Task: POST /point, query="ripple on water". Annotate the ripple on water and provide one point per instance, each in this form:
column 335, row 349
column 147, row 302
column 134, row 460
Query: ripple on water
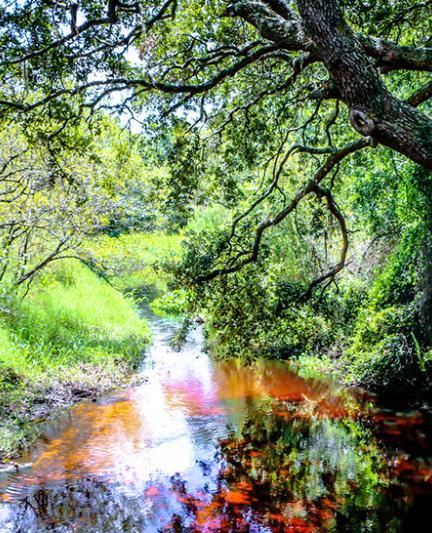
column 200, row 446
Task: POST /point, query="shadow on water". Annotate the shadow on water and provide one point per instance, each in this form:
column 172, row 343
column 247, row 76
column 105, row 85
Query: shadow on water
column 204, row 446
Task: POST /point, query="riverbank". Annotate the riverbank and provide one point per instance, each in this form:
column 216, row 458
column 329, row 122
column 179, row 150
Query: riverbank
column 50, row 397
column 73, row 337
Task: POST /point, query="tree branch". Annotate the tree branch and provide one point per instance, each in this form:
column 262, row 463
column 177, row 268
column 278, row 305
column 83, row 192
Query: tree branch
column 43, row 263
column 373, row 110
column 334, row 210
column 76, row 32
column 420, row 96
column 311, row 187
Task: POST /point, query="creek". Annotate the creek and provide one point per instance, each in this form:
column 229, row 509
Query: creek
column 205, row 446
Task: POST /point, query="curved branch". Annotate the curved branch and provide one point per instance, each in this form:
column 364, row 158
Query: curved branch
column 332, row 272
column 311, row 187
column 391, row 56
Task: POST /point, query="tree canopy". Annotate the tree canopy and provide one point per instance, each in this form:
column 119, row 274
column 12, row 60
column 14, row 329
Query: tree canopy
column 283, row 95
column 187, row 49
column 318, row 80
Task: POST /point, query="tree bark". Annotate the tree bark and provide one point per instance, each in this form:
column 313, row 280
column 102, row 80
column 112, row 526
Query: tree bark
column 374, row 111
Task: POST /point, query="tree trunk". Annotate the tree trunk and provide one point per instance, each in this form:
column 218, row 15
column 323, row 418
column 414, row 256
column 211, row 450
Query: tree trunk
column 373, row 110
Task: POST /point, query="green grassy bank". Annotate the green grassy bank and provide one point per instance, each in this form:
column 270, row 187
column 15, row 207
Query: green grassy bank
column 72, row 336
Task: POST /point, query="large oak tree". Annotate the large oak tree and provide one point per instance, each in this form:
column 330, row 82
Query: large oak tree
column 358, row 69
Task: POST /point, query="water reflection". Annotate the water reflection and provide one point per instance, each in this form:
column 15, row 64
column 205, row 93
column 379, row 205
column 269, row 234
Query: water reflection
column 204, row 447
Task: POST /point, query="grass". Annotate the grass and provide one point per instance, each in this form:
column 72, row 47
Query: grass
column 73, row 334
column 74, row 312
column 135, row 260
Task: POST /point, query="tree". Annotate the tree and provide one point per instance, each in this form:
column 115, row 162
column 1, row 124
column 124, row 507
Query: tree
column 52, row 198
column 325, row 68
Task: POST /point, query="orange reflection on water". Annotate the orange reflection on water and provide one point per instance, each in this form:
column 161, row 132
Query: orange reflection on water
column 97, row 440
column 271, row 379
column 126, row 438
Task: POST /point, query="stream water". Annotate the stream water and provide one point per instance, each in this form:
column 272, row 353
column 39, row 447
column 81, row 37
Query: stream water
column 217, row 447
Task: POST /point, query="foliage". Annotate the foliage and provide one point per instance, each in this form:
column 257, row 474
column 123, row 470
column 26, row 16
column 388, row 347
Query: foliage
column 173, row 303
column 371, row 327
column 135, row 261
column 90, row 316
column 54, row 198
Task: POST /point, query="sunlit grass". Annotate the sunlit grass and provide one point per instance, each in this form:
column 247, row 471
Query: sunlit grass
column 73, row 314
column 73, row 330
column 135, row 260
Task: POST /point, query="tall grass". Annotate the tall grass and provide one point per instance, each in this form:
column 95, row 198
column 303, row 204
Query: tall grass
column 72, row 313
column 136, row 260
column 72, row 331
